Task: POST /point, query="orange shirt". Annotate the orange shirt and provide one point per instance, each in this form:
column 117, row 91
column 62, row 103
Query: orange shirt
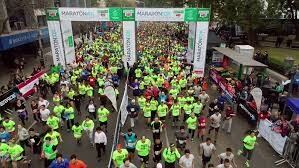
column 77, row 164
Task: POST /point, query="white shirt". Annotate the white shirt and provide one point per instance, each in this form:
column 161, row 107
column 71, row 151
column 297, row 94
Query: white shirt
column 207, row 149
column 100, row 138
column 44, row 102
column 44, row 114
column 222, row 166
column 187, row 162
column 203, row 98
column 216, row 119
column 223, row 156
column 91, row 108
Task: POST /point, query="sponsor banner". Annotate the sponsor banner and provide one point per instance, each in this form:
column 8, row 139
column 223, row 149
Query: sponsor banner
column 257, row 95
column 9, row 97
column 191, row 15
column 129, row 41
column 56, row 42
column 275, row 139
column 123, row 107
column 68, row 41
column 27, row 88
column 199, row 61
column 160, row 14
column 111, row 95
column 191, row 39
column 84, row 14
column 115, row 14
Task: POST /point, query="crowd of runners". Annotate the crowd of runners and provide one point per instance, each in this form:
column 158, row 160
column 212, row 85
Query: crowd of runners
column 164, row 88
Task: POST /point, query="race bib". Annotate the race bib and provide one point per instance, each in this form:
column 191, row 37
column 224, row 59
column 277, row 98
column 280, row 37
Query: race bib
column 181, row 141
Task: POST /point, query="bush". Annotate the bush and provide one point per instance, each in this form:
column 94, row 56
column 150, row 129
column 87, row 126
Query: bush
column 277, row 66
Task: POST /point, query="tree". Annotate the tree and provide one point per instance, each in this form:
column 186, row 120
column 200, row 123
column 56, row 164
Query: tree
column 244, row 13
column 285, row 9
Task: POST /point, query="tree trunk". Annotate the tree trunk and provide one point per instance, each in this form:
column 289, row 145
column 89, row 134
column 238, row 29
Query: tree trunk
column 297, row 30
column 252, row 37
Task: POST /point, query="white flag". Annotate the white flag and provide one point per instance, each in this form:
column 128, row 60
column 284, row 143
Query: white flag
column 111, row 95
column 257, row 95
column 123, row 106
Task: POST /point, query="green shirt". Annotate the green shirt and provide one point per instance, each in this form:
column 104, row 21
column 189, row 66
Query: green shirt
column 141, row 102
column 49, row 152
column 54, row 137
column 192, row 123
column 9, row 126
column 15, row 152
column 147, row 111
column 153, row 105
column 77, row 131
column 188, row 108
column 88, row 125
column 53, row 122
column 171, row 156
column 103, row 114
column 182, row 101
column 176, row 109
column 58, row 110
column 143, row 148
column 162, row 110
column 197, row 108
column 3, row 149
column 119, row 157
column 70, row 112
column 249, row 142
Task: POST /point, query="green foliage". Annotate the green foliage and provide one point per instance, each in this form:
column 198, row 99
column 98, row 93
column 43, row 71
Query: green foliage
column 245, row 13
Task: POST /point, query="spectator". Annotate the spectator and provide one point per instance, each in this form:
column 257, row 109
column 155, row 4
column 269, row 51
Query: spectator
column 76, row 163
column 59, row 162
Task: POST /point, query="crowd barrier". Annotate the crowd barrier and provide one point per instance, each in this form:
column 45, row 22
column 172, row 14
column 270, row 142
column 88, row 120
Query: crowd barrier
column 290, row 152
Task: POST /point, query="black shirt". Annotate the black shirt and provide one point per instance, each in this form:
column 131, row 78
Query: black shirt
column 158, row 147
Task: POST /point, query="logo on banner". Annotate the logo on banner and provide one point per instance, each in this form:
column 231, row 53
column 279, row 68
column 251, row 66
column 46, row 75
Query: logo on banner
column 103, row 12
column 191, row 14
column 128, row 14
column 81, row 13
column 52, row 14
column 154, row 13
column 199, row 45
column 128, row 44
column 115, row 14
column 56, row 45
column 204, row 15
column 178, row 13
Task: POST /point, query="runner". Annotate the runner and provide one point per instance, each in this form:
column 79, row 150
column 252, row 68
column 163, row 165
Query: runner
column 192, row 124
column 119, row 156
column 170, row 155
column 49, row 152
column 100, row 142
column 215, row 124
column 228, row 154
column 59, row 162
column 128, row 164
column 207, row 149
column 53, row 121
column 103, row 115
column 249, row 143
column 76, row 163
column 181, row 137
column 187, row 160
column 9, row 125
column 226, row 164
column 202, row 121
column 176, row 112
column 15, row 152
column 157, row 127
column 77, row 132
column 157, row 150
column 4, row 155
column 130, row 140
column 88, row 126
column 133, row 111
column 228, row 119
column 143, row 147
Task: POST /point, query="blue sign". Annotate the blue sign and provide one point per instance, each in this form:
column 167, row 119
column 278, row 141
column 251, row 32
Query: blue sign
column 15, row 40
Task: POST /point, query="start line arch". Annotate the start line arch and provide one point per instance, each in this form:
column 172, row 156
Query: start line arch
column 62, row 40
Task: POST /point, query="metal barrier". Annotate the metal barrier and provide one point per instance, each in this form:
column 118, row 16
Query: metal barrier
column 290, row 152
column 115, row 139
